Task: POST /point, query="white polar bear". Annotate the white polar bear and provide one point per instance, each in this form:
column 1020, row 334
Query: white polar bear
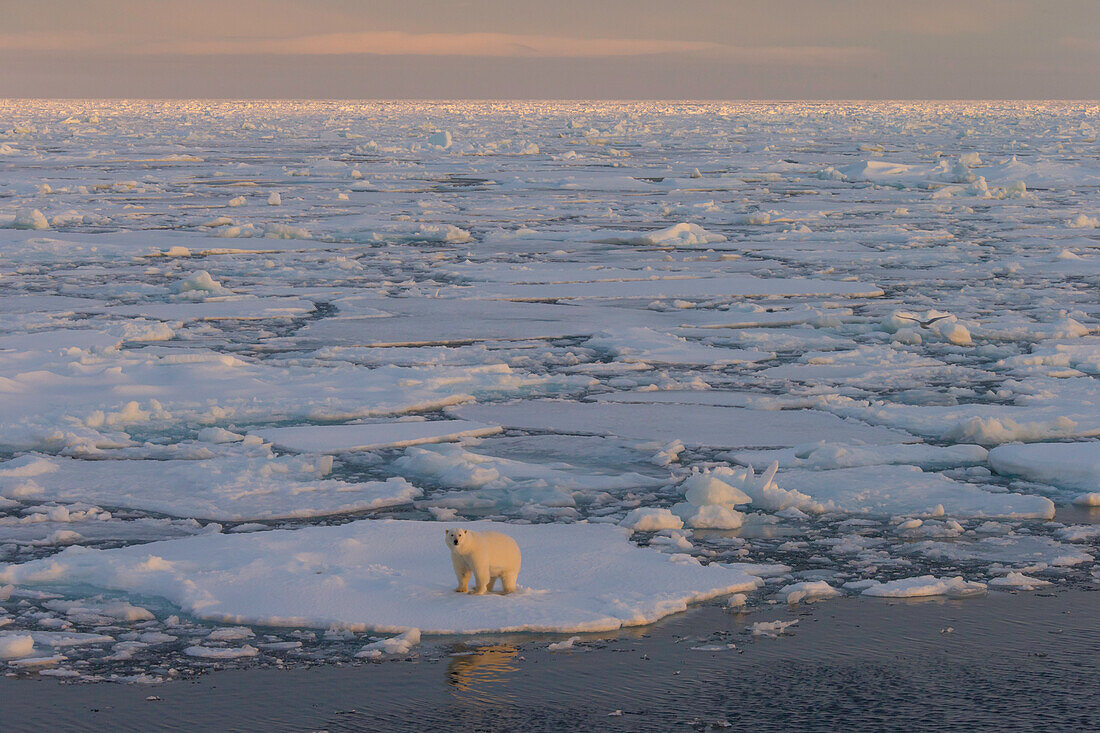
column 488, row 555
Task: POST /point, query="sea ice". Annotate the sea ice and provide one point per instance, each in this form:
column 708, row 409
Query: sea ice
column 650, row 519
column 630, row 296
column 895, row 490
column 716, row 427
column 229, row 488
column 925, row 585
column 1018, row 581
column 371, row 436
column 808, row 591
column 1066, row 465
column 771, row 629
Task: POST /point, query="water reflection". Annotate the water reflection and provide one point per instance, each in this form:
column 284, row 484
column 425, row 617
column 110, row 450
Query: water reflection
column 751, row 530
column 476, row 673
column 1077, row 514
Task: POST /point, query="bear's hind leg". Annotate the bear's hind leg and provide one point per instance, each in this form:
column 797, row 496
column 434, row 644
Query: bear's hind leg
column 508, row 581
column 482, row 580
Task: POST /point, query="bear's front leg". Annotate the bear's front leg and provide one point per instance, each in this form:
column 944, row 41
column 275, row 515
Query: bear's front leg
column 462, row 572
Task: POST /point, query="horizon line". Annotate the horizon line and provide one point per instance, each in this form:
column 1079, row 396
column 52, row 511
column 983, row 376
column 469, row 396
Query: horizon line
column 620, row 100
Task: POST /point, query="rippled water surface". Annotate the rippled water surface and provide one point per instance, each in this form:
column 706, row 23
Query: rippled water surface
column 998, row 663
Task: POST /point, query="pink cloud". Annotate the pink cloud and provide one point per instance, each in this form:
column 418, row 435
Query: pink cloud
column 399, row 43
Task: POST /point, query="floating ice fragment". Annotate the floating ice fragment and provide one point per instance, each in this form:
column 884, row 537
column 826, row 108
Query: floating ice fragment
column 199, row 285
column 710, row 516
column 771, row 629
column 925, row 585
column 206, row 652
column 441, row 140
column 737, row 600
column 706, row 488
column 678, row 235
column 808, row 592
column 16, row 646
column 1018, row 581
column 219, row 435
column 669, row 454
column 649, row 519
column 30, row 219
column 401, row 644
column 559, row 646
column 230, row 633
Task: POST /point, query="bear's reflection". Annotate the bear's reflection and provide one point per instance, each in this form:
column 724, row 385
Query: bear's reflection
column 474, row 672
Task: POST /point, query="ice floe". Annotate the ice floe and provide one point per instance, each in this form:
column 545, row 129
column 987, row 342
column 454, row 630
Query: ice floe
column 395, row 576
column 371, row 436
column 1066, row 465
column 228, row 488
column 925, row 585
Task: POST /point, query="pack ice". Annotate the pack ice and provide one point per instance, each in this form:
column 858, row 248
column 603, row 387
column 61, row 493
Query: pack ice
column 847, row 346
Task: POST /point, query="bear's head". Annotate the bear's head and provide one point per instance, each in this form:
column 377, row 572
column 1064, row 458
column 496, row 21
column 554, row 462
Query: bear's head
column 456, row 538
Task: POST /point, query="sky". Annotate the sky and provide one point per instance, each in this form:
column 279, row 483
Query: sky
column 551, row 49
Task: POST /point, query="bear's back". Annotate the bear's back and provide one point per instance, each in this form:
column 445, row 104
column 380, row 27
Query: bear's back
column 500, row 547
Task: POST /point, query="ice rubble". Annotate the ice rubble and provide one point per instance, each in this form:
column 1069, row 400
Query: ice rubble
column 710, row 501
column 26, row 644
column 877, row 490
column 1019, row 551
column 395, row 576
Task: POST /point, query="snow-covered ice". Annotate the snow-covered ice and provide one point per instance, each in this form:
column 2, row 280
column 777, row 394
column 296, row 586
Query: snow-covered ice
column 227, row 488
column 1066, row 465
column 394, row 576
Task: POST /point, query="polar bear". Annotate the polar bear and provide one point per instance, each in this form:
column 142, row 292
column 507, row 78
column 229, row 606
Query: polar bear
column 488, row 555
